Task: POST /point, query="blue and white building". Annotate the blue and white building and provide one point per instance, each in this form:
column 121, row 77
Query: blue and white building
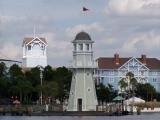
column 112, row 69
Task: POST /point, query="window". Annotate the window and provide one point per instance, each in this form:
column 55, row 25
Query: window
column 142, row 73
column 102, row 80
column 80, row 46
column 111, row 72
column 111, row 80
column 36, row 46
column 89, row 89
column 42, row 47
column 154, row 80
column 154, row 73
column 74, row 46
column 87, row 47
column 29, row 47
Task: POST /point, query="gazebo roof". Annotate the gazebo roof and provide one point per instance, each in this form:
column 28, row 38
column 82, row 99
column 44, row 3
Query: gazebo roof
column 118, row 98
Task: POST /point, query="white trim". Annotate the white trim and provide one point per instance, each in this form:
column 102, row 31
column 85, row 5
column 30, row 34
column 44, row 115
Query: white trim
column 129, row 61
column 34, row 39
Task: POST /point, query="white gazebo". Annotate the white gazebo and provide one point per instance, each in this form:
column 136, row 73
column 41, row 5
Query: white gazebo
column 129, row 103
column 133, row 100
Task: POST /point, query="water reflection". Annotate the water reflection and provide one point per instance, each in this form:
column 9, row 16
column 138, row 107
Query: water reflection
column 145, row 116
column 83, row 118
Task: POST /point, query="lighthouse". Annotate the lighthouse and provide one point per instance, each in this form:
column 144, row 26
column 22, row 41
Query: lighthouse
column 82, row 95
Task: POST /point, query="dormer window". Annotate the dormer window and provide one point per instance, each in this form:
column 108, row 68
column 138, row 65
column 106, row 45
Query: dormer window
column 29, row 47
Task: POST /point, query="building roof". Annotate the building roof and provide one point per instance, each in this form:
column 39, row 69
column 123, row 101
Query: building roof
column 7, row 60
column 82, row 36
column 29, row 39
column 109, row 62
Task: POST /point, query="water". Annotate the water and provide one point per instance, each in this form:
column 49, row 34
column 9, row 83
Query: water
column 145, row 116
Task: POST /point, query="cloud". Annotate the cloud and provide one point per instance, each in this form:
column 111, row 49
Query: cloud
column 11, row 19
column 6, row 21
column 94, row 27
column 10, row 51
column 142, row 42
column 109, row 41
column 23, row 22
column 50, row 37
column 53, row 41
column 134, row 7
column 57, row 48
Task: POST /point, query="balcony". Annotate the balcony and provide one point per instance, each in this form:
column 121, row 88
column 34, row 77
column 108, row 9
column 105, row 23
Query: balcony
column 88, row 64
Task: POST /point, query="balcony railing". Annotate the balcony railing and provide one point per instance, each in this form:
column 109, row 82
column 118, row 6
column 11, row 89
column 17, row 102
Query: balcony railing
column 88, row 64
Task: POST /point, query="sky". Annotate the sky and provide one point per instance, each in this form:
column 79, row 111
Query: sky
column 127, row 27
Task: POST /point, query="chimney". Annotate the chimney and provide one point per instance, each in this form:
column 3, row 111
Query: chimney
column 116, row 58
column 144, row 59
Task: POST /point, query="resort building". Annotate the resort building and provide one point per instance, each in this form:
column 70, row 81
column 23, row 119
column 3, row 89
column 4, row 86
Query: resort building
column 112, row 69
column 34, row 52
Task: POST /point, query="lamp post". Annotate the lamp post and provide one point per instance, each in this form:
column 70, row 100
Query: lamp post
column 41, row 77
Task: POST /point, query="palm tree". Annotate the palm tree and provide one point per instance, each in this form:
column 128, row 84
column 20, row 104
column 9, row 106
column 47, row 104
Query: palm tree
column 132, row 83
column 122, row 84
column 130, row 75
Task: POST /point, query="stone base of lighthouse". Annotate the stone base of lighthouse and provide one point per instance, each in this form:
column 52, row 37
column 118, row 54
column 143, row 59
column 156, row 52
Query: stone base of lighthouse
column 82, row 94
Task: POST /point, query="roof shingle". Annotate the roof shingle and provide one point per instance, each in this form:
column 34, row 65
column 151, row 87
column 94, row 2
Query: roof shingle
column 109, row 62
column 29, row 39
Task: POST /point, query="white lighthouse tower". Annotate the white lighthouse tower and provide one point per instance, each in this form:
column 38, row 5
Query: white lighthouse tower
column 34, row 52
column 82, row 93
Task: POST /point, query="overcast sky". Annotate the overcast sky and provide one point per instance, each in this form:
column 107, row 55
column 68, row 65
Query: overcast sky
column 127, row 27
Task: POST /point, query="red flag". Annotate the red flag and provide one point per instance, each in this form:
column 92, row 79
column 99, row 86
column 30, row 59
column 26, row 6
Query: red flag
column 85, row 9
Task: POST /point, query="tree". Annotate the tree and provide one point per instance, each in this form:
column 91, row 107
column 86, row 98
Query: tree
column 15, row 71
column 123, row 85
column 50, row 89
column 24, row 88
column 105, row 93
column 3, row 80
column 33, row 76
column 134, row 84
column 63, row 78
column 130, row 75
column 3, row 69
column 101, row 92
column 146, row 91
column 16, row 76
column 4, row 85
column 48, row 73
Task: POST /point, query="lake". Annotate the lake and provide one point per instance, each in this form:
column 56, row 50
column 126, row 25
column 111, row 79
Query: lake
column 144, row 116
